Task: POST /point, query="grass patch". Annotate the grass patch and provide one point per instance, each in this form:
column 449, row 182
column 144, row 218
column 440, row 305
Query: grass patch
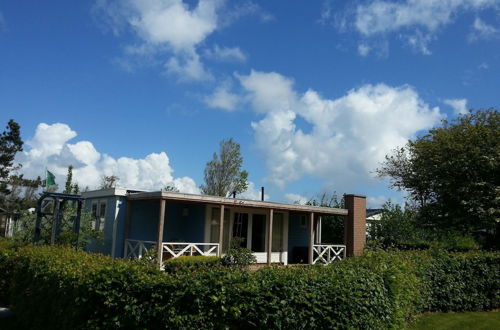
column 469, row 320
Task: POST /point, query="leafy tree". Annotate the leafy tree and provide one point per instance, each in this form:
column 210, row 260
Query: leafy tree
column 169, row 188
column 223, row 174
column 452, row 174
column 10, row 144
column 68, row 187
column 109, row 181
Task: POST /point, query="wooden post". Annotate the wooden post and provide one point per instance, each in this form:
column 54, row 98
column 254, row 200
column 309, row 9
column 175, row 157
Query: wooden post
column 221, row 229
column 161, row 222
column 128, row 217
column 311, row 238
column 270, row 237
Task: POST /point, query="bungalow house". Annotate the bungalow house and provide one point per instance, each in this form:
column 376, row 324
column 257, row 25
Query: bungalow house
column 176, row 224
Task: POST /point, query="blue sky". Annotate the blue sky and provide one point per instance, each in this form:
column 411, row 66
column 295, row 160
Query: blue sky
column 316, row 92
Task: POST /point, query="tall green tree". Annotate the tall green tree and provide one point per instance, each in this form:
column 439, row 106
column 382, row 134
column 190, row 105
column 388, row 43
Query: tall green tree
column 10, row 144
column 223, row 174
column 452, row 174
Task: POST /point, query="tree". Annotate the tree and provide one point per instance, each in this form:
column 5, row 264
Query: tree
column 223, row 174
column 452, row 174
column 169, row 188
column 10, row 145
column 68, row 187
column 109, row 181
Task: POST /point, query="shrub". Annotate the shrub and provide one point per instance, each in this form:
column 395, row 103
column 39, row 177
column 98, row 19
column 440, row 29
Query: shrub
column 191, row 263
column 238, row 257
column 56, row 287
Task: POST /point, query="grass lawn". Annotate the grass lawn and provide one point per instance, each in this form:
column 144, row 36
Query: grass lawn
column 469, row 320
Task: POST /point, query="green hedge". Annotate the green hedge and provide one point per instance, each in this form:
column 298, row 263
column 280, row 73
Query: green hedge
column 184, row 264
column 51, row 287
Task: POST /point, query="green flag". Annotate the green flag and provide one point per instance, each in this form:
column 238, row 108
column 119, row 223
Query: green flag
column 51, row 179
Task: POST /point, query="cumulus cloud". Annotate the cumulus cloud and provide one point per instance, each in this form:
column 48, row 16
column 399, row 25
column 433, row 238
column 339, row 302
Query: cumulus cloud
column 349, row 135
column 482, row 30
column 50, row 148
column 458, row 105
column 417, row 21
column 296, row 199
column 253, row 193
column 226, row 54
column 222, row 98
column 170, row 26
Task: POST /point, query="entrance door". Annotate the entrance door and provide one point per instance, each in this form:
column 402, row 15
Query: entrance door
column 240, row 228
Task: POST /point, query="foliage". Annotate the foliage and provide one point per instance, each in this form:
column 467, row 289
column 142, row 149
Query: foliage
column 398, row 229
column 379, row 291
column 109, row 182
column 170, row 189
column 332, row 227
column 191, row 263
column 451, row 173
column 223, row 174
column 10, row 144
column 396, row 225
column 237, row 255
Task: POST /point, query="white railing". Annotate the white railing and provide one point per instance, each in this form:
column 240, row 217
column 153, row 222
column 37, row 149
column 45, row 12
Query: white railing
column 177, row 249
column 326, row 253
column 137, row 249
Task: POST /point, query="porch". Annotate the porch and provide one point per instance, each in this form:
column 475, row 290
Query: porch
column 135, row 249
column 173, row 225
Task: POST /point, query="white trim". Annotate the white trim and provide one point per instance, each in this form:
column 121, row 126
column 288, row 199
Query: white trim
column 235, row 202
column 115, row 225
column 104, row 193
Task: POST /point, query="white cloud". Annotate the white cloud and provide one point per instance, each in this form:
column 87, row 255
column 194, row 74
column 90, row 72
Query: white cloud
column 296, row 199
column 376, row 201
column 417, row 21
column 482, row 30
column 253, row 193
column 226, row 54
column 223, row 99
column 349, row 136
column 363, row 49
column 50, row 148
column 170, row 26
column 458, row 105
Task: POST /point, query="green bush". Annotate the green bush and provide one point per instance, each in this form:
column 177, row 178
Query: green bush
column 56, row 287
column 238, row 257
column 190, row 263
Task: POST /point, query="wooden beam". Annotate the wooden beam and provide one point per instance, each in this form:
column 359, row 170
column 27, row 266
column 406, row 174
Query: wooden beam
column 161, row 222
column 221, row 229
column 270, row 237
column 311, row 238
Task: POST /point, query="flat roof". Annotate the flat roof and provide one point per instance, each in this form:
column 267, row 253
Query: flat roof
column 233, row 202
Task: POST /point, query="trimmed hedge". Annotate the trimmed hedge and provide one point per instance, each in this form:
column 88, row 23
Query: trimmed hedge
column 53, row 287
column 191, row 263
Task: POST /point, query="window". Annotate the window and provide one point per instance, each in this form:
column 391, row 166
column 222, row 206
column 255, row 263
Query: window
column 98, row 215
column 214, row 227
column 102, row 215
column 258, row 233
column 303, row 221
column 277, row 232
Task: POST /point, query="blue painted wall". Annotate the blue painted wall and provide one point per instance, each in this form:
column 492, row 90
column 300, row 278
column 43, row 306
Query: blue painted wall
column 180, row 225
column 103, row 246
column 297, row 236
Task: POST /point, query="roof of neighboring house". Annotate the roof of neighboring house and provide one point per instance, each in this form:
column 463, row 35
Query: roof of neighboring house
column 212, row 200
column 374, row 214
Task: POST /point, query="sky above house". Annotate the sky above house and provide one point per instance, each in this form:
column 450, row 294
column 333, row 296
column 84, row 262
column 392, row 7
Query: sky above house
column 316, row 92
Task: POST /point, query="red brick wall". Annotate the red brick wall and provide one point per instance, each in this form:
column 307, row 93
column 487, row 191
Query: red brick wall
column 355, row 224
